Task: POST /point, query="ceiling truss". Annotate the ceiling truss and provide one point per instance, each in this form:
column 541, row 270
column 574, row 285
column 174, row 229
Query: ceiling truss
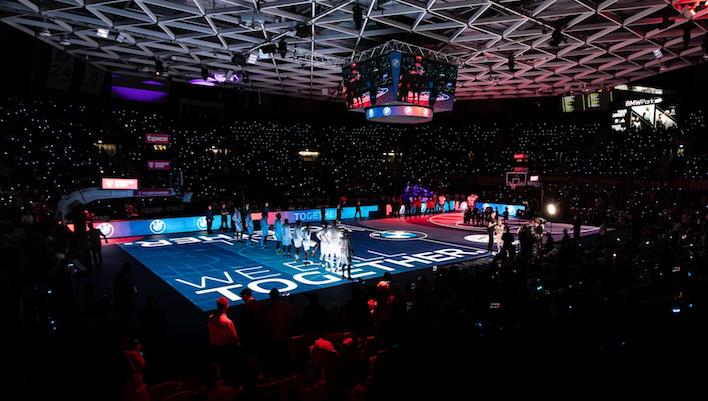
column 558, row 46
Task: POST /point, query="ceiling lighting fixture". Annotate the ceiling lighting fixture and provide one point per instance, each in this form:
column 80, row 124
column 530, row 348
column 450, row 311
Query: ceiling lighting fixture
column 103, row 33
column 45, row 33
column 65, row 40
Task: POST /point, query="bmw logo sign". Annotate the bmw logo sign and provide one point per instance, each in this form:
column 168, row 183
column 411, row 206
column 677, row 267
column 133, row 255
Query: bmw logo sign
column 408, row 110
column 512, row 210
column 397, row 235
column 387, row 111
column 371, row 115
column 157, row 226
column 201, row 223
column 106, row 228
column 395, row 62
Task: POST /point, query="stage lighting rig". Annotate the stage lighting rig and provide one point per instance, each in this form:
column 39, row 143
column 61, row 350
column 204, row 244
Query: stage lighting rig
column 159, row 66
column 357, row 16
column 511, row 63
column 282, row 48
column 686, row 35
column 303, row 31
column 238, row 59
column 557, row 38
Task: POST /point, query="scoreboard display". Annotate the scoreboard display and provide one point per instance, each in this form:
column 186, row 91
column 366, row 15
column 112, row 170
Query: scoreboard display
column 586, row 102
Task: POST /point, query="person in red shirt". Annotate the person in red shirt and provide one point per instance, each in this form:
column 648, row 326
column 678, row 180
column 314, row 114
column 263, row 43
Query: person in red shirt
column 221, row 329
column 417, row 203
column 223, row 339
column 430, row 206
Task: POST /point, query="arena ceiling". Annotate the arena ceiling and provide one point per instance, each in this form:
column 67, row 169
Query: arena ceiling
column 557, row 46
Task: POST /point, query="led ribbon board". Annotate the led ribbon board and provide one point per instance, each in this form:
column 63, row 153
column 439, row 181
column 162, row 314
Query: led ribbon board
column 174, row 225
column 399, row 114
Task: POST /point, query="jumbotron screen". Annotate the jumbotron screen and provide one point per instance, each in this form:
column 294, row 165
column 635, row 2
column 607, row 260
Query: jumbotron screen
column 400, row 77
column 638, row 110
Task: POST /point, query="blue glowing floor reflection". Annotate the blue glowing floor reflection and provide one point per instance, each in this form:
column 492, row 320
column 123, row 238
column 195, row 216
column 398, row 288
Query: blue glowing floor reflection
column 205, row 267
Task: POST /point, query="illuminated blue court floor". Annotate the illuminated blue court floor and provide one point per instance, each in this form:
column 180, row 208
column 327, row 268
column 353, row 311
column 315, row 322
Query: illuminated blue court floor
column 204, row 267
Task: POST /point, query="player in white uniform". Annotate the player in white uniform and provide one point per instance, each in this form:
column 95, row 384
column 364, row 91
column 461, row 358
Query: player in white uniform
column 307, row 243
column 297, row 239
column 323, row 236
column 335, row 247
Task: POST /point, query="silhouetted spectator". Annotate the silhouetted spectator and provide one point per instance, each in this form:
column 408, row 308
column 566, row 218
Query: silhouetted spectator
column 214, row 388
column 94, row 235
column 153, row 324
column 278, row 324
column 251, row 323
column 124, row 293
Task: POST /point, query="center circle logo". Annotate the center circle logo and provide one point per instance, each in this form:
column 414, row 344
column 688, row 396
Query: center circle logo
column 157, row 226
column 387, row 111
column 408, row 110
column 478, row 238
column 106, row 228
column 201, row 223
column 398, row 235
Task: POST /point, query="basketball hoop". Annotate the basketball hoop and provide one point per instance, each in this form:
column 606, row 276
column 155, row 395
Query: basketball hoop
column 516, row 179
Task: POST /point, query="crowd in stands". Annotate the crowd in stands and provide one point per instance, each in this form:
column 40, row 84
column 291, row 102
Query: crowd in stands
column 636, row 290
column 52, row 148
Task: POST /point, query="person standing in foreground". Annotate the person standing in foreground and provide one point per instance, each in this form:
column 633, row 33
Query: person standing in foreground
column 223, row 337
column 94, row 235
